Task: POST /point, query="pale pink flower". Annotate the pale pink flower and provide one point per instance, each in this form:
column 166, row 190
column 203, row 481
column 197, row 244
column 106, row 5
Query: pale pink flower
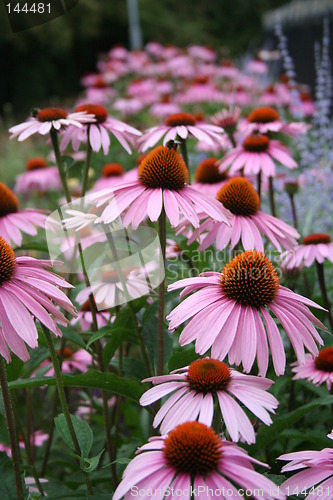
column 182, row 125
column 315, row 247
column 318, row 370
column 266, row 119
column 98, row 130
column 28, row 291
column 48, row 119
column 162, row 178
column 164, row 108
column 129, row 106
column 197, row 387
column 193, row 455
column 13, row 221
column 237, row 303
column 85, row 317
column 72, row 361
column 317, row 468
column 38, row 177
column 172, row 249
column 257, row 66
column 248, row 224
column 256, row 154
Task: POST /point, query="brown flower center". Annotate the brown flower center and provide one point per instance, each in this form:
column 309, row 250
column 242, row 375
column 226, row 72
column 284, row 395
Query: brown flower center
column 112, row 170
column 324, row 360
column 8, row 202
column 250, row 279
column 193, row 448
column 208, row 375
column 239, row 196
column 256, row 143
column 35, row 164
column 50, row 114
column 7, row 261
column 316, row 239
column 163, row 168
column 207, row 172
column 180, row 119
column 93, row 109
column 263, row 115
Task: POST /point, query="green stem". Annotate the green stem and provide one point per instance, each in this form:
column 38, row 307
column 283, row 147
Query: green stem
column 11, row 430
column 183, row 149
column 62, row 173
column 271, row 196
column 85, row 176
column 327, row 305
column 63, row 402
column 259, row 184
column 28, row 445
column 293, row 210
column 161, row 292
column 106, row 416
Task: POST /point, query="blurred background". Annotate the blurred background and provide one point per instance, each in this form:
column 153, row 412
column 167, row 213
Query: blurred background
column 46, row 62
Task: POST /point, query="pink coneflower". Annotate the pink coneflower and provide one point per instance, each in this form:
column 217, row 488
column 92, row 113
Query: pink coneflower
column 199, row 385
column 182, row 125
column 318, row 370
column 47, row 119
column 317, row 468
column 26, row 290
column 38, row 438
column 172, row 250
column 315, row 247
column 162, row 181
column 72, row 361
column 237, row 304
column 112, row 175
column 85, row 317
column 208, row 178
column 193, row 455
column 108, row 291
column 248, row 222
column 267, row 119
column 98, row 129
column 256, row 155
column 13, row 221
column 38, row 176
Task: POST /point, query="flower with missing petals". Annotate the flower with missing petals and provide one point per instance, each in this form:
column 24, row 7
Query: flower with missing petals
column 237, row 304
column 197, row 387
column 193, row 455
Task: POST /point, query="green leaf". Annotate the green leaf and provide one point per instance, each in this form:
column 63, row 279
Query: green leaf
column 68, row 162
column 129, row 388
column 7, row 483
column 182, row 358
column 122, row 461
column 72, row 336
column 82, row 430
column 118, row 336
column 267, row 434
column 90, row 464
column 34, row 245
